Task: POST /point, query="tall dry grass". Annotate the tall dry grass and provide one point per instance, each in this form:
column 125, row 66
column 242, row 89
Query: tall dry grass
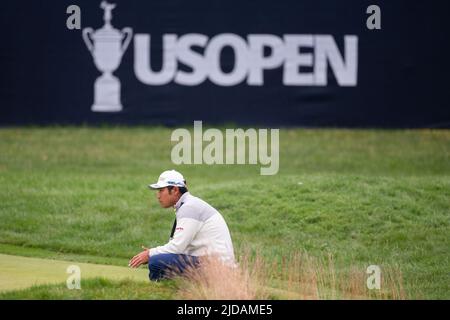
column 299, row 276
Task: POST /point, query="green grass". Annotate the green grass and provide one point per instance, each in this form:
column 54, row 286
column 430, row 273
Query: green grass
column 95, row 289
column 366, row 196
column 20, row 272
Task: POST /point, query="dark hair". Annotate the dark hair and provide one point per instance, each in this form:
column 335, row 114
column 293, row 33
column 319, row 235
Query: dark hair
column 182, row 189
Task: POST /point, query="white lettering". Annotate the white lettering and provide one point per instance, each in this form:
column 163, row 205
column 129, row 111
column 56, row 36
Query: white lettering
column 142, row 59
column 374, row 280
column 258, row 62
column 305, row 59
column 345, row 70
column 213, row 52
column 74, row 280
column 191, row 59
column 237, row 142
column 181, row 152
column 295, row 59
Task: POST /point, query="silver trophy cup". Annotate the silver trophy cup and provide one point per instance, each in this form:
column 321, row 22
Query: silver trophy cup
column 107, row 46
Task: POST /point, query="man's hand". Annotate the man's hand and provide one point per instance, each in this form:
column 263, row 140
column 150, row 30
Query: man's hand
column 139, row 259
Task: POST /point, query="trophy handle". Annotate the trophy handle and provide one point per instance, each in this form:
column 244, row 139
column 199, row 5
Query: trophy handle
column 87, row 40
column 129, row 34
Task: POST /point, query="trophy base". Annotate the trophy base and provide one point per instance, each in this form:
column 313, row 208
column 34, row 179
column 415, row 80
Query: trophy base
column 106, row 108
column 107, row 94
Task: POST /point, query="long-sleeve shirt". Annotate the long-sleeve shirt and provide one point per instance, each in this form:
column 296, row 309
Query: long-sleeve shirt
column 200, row 230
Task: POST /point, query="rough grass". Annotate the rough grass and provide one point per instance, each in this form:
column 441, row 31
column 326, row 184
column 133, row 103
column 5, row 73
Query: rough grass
column 364, row 196
column 299, row 276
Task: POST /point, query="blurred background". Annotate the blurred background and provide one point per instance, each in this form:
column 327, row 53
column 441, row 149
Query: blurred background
column 334, row 70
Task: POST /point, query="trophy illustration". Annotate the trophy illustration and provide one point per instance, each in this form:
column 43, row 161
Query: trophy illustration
column 107, row 46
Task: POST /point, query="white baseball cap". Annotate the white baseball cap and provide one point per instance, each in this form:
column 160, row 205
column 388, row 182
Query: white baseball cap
column 169, row 178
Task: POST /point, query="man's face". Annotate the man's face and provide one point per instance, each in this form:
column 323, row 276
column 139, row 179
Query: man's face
column 167, row 199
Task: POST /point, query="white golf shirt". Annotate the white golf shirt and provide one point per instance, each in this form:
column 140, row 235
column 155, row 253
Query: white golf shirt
column 200, row 230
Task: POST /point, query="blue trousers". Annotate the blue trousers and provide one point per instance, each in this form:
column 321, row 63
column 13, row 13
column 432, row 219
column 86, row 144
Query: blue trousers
column 164, row 266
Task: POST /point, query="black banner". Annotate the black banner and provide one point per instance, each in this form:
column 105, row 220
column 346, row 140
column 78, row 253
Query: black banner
column 229, row 309
column 264, row 63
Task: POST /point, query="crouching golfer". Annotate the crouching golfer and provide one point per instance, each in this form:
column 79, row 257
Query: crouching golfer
column 198, row 230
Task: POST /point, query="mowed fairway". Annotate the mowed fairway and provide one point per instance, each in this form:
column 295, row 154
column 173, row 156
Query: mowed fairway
column 365, row 196
column 19, row 272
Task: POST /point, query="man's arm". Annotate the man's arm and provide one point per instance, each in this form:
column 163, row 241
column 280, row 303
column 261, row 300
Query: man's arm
column 139, row 259
column 186, row 230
